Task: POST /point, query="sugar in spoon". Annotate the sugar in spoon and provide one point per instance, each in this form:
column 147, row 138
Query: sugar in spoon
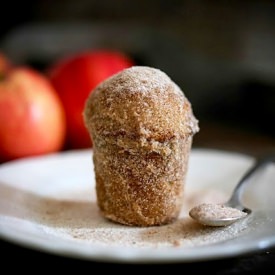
column 233, row 210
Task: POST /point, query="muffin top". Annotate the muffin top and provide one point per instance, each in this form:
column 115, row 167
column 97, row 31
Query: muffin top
column 139, row 101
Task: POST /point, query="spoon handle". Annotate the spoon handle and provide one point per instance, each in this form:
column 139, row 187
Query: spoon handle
column 258, row 165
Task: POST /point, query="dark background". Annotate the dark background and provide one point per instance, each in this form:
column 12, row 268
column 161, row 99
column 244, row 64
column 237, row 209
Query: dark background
column 221, row 53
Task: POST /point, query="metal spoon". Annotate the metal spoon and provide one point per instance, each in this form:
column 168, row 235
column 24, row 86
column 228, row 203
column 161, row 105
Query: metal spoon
column 232, row 210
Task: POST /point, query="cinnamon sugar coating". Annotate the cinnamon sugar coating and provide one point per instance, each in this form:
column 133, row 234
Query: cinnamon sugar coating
column 142, row 127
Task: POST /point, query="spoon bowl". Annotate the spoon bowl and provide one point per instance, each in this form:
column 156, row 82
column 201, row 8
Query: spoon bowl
column 233, row 210
column 217, row 214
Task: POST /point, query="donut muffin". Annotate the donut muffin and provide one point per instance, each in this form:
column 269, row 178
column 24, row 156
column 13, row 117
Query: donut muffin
column 142, row 126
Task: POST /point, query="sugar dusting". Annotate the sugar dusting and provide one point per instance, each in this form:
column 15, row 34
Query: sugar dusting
column 183, row 232
column 142, row 80
column 80, row 221
column 143, row 95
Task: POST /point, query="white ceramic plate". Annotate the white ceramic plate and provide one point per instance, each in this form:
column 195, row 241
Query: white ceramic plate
column 48, row 203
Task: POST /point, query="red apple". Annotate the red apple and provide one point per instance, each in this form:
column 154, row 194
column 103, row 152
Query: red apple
column 74, row 77
column 32, row 119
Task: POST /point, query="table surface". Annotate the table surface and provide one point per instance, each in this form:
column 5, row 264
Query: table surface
column 246, row 264
column 211, row 136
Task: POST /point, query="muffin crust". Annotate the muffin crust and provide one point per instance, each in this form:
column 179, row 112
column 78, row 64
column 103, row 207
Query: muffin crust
column 142, row 126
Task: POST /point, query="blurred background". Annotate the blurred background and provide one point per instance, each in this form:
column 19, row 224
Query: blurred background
column 221, row 53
